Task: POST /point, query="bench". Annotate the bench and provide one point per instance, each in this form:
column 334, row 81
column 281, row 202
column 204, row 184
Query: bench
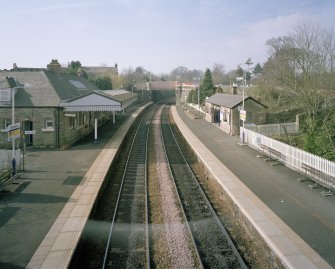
column 7, row 178
column 5, row 175
column 313, row 174
column 273, row 155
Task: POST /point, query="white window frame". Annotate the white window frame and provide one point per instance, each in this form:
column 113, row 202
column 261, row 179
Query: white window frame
column 48, row 124
column 7, row 122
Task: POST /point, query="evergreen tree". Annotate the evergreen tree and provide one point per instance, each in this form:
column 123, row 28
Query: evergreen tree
column 74, row 68
column 103, row 83
column 190, row 96
column 195, row 96
column 207, row 87
column 257, row 70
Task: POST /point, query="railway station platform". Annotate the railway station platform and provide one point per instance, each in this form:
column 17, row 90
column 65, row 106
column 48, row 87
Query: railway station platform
column 297, row 223
column 41, row 218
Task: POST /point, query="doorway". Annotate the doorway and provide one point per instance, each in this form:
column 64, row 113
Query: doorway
column 28, row 138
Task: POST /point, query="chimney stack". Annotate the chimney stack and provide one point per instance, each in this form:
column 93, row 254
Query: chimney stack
column 234, row 88
column 54, row 66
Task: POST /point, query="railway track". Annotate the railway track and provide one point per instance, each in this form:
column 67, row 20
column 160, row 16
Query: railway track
column 128, row 239
column 215, row 247
column 156, row 212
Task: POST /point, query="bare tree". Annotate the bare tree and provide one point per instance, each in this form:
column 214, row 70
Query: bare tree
column 217, row 74
column 300, row 66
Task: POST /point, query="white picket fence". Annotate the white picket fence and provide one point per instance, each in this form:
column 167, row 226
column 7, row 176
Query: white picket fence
column 6, row 159
column 294, row 157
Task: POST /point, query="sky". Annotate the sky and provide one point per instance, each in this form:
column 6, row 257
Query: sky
column 158, row 35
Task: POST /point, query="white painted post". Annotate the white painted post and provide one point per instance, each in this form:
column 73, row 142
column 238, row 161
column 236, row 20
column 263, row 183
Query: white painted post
column 95, row 130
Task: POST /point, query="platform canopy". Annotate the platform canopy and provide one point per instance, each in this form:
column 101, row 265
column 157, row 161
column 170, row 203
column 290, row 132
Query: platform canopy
column 99, row 101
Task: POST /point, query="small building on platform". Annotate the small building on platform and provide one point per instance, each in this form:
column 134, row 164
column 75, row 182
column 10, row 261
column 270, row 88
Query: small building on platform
column 54, row 109
column 224, row 110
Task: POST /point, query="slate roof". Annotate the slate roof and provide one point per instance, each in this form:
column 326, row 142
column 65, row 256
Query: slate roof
column 69, row 86
column 119, row 94
column 40, row 92
column 226, row 100
column 49, row 89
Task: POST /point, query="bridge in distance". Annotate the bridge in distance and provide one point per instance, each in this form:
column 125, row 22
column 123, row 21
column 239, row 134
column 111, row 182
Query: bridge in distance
column 170, row 85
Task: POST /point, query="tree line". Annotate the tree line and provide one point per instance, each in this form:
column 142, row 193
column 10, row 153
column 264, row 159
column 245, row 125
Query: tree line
column 298, row 74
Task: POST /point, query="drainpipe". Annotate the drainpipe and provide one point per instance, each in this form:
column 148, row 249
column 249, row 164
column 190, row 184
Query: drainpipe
column 57, row 121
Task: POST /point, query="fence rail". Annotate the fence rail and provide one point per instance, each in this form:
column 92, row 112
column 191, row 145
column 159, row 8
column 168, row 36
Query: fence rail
column 274, row 129
column 6, row 159
column 295, row 158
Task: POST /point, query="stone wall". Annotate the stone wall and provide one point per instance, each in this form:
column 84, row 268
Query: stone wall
column 43, row 137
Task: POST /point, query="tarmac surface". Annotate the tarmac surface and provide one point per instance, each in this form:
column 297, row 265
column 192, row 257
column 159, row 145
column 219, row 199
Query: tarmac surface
column 30, row 208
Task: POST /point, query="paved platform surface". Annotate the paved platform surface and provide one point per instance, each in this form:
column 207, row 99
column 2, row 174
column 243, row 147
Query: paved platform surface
column 29, row 209
column 305, row 211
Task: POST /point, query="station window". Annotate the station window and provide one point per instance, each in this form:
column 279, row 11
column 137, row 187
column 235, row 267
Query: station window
column 7, row 122
column 71, row 122
column 224, row 116
column 49, row 123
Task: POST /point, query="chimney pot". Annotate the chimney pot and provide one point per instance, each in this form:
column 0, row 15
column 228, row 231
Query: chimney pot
column 54, row 66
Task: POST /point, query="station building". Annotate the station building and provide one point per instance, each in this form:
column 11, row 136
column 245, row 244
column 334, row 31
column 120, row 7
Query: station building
column 224, row 110
column 55, row 109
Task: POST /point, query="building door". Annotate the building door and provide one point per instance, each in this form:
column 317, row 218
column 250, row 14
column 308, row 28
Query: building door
column 28, row 126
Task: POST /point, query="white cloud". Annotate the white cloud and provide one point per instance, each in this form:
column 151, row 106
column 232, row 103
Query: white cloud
column 47, row 8
column 250, row 39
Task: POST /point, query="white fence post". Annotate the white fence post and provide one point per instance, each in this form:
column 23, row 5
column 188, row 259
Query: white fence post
column 294, row 157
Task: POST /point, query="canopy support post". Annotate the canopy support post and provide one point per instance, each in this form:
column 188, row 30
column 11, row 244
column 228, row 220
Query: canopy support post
column 95, row 131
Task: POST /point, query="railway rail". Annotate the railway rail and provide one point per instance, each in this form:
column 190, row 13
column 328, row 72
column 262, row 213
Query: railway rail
column 214, row 244
column 173, row 226
column 128, row 239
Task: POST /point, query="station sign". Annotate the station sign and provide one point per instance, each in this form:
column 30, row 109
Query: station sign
column 13, row 134
column 70, row 115
column 14, row 126
column 243, row 115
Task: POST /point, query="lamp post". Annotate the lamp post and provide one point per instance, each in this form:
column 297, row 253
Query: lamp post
column 13, row 122
column 242, row 109
column 199, row 100
column 198, row 80
column 13, row 89
column 248, row 62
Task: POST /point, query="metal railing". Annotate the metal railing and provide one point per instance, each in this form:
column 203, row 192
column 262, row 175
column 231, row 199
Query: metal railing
column 295, row 158
column 274, row 129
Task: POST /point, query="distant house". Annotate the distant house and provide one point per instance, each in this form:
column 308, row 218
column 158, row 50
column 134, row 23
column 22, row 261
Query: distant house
column 224, row 110
column 96, row 71
column 186, row 88
column 55, row 108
